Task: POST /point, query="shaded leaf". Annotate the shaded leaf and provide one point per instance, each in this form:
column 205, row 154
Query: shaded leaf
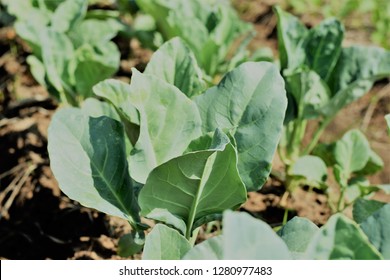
column 297, row 234
column 377, row 228
column 341, row 239
column 88, row 159
column 164, row 243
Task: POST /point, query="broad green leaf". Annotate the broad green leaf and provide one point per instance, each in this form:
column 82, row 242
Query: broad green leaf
column 96, row 108
column 377, row 228
column 297, row 234
column 94, row 64
column 169, row 121
column 57, row 51
column 194, row 186
column 363, row 208
column 93, row 31
column 163, row 215
column 325, row 151
column 311, row 167
column 309, row 91
column 352, row 152
column 323, row 47
column 387, row 117
column 208, row 27
column 175, row 63
column 210, row 249
column 357, row 69
column 341, row 239
column 374, row 164
column 68, row 14
column 116, row 93
column 257, row 242
column 128, row 245
column 88, row 159
column 164, row 243
column 291, row 39
column 31, row 34
column 250, row 101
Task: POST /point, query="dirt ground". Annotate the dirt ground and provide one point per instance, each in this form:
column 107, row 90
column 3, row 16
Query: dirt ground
column 38, row 222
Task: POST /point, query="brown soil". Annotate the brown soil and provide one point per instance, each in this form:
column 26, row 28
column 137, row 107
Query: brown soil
column 38, row 222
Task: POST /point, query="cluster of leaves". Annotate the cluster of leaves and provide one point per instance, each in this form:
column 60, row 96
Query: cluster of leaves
column 298, row 239
column 209, row 27
column 169, row 148
column 71, row 47
column 166, row 148
column 322, row 77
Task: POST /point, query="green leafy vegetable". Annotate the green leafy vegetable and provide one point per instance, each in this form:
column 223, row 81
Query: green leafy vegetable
column 208, row 27
column 250, row 102
column 198, row 181
column 70, row 52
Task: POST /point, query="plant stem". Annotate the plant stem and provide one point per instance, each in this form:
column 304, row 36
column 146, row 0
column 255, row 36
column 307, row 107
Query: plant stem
column 285, row 216
column 341, row 200
column 194, row 236
column 317, row 135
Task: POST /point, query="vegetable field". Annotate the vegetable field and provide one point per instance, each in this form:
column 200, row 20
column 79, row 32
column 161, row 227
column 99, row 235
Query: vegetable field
column 208, row 129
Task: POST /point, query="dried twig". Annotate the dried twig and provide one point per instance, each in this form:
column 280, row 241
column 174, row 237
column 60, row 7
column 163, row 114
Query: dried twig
column 16, row 185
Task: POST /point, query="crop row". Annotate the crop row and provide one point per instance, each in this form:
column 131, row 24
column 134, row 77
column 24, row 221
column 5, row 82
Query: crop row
column 173, row 147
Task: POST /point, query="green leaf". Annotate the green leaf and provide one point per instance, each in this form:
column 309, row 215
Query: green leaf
column 359, row 187
column 325, row 151
column 169, row 121
column 164, row 243
column 311, row 167
column 175, row 63
column 374, row 164
column 363, row 208
column 341, row 239
column 352, row 152
column 196, row 185
column 357, row 69
column 93, row 31
column 297, row 234
column 387, row 117
column 209, row 28
column 57, row 51
column 37, row 69
column 129, row 245
column 96, row 108
column 291, row 39
column 257, row 242
column 250, row 101
column 323, row 47
column 88, row 159
column 30, row 32
column 163, row 215
column 68, row 14
column 309, row 91
column 116, row 93
column 377, row 228
column 210, row 249
column 93, row 64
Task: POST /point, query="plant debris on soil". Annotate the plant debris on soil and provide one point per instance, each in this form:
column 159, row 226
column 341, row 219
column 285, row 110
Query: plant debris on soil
column 37, row 221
